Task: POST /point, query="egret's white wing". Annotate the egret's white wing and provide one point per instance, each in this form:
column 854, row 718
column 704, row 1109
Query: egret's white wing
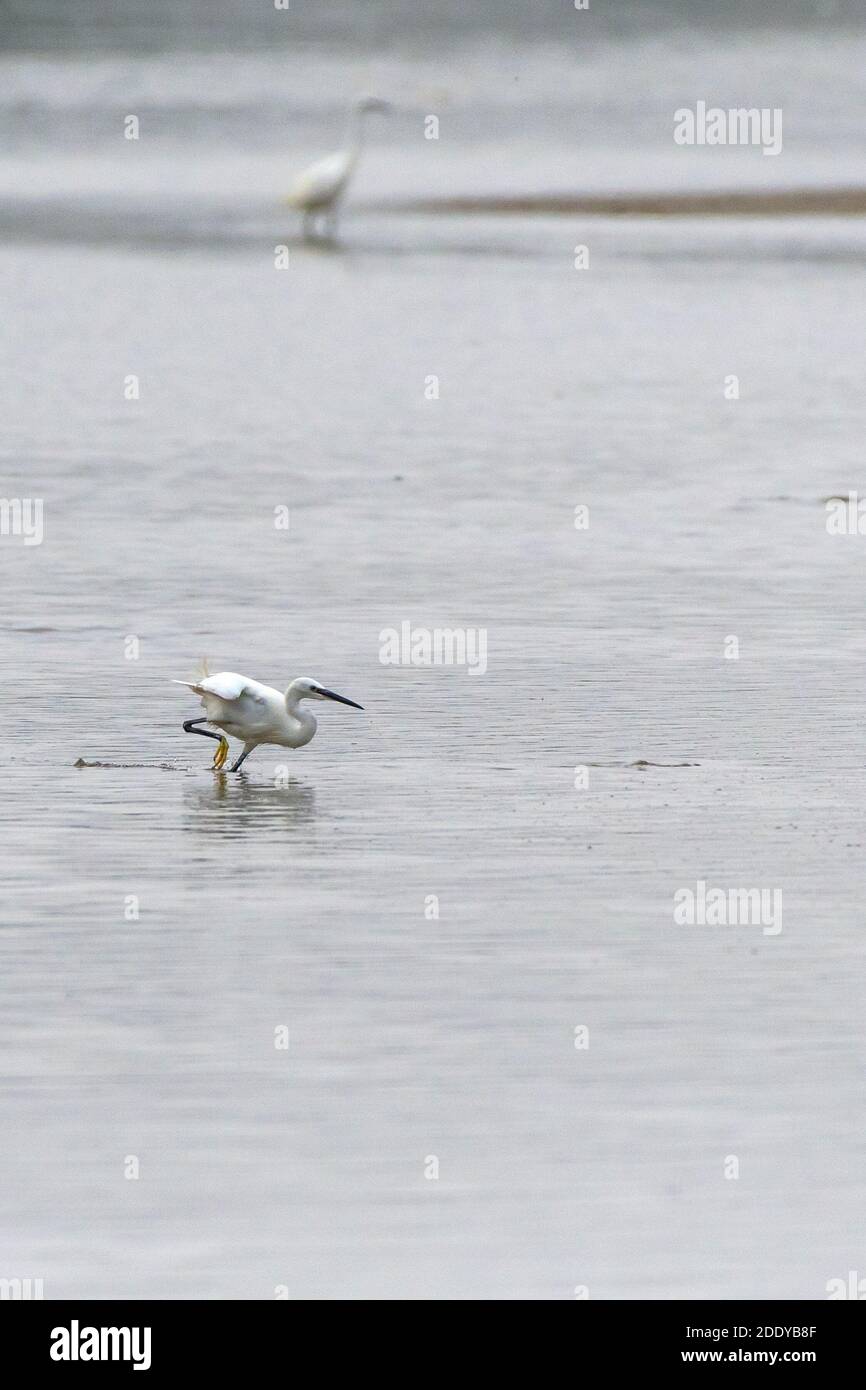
column 322, row 181
column 228, row 685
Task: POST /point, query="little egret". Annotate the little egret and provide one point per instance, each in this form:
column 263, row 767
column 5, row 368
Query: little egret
column 256, row 713
column 318, row 190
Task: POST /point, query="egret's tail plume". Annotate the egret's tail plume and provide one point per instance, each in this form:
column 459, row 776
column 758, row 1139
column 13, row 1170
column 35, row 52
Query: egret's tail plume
column 202, row 674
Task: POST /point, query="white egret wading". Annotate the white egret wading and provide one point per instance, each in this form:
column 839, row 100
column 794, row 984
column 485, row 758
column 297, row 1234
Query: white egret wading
column 318, row 190
column 256, row 713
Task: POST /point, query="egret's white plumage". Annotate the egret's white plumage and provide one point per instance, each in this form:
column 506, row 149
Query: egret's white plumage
column 324, row 182
column 319, row 189
column 257, row 713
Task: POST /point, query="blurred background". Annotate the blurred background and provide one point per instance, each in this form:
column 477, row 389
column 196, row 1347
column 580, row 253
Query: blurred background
column 233, row 97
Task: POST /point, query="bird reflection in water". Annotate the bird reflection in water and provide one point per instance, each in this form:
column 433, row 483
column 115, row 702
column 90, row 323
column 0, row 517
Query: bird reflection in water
column 235, row 806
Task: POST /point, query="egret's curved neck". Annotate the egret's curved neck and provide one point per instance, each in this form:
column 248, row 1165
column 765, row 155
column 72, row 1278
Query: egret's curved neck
column 302, row 722
column 293, row 703
column 355, row 129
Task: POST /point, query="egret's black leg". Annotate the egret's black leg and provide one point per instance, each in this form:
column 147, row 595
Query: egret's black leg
column 222, row 752
column 190, row 728
column 245, row 754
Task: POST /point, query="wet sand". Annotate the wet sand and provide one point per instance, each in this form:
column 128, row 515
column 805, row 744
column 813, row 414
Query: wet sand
column 795, row 202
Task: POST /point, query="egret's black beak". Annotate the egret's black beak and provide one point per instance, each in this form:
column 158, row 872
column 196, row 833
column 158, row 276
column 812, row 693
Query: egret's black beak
column 341, row 699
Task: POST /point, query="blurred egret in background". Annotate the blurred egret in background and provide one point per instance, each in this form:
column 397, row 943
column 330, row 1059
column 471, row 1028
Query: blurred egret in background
column 318, row 190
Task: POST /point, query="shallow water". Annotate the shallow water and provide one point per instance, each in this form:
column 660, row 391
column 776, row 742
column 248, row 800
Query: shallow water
column 295, row 895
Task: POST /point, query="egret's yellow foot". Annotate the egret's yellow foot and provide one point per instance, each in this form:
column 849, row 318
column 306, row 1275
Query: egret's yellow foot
column 221, row 755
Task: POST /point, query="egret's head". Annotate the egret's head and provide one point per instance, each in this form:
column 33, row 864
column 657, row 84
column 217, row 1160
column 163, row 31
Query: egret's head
column 371, row 104
column 306, row 689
